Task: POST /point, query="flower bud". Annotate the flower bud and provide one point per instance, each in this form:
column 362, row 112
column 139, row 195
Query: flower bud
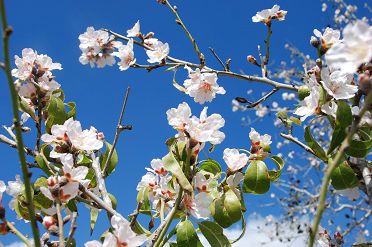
column 314, row 42
column 252, row 60
column 3, row 229
column 49, row 223
column 303, row 92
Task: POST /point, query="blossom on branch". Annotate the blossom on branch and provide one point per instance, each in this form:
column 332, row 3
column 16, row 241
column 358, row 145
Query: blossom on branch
column 126, row 55
column 135, row 30
column 338, row 84
column 353, row 50
column 202, row 86
column 328, row 38
column 121, row 236
column 159, row 53
column 265, row 16
column 235, row 160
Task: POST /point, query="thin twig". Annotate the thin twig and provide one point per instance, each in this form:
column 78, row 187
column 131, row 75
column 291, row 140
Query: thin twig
column 14, row 230
column 332, row 166
column 264, row 98
column 296, row 141
column 267, row 44
column 218, row 59
column 179, row 22
column 357, row 223
column 135, row 214
column 228, row 73
column 73, row 227
column 13, row 144
column 119, row 129
column 16, row 121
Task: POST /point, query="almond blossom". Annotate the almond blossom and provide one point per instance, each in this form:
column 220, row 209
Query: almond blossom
column 201, row 183
column 2, row 189
column 354, row 49
column 310, row 104
column 13, row 189
column 135, row 30
column 198, row 206
column 160, row 51
column 70, row 137
column 97, row 47
column 267, row 15
column 202, row 86
column 235, row 160
column 257, row 139
column 179, row 118
column 126, row 55
column 71, row 179
column 233, row 182
column 157, row 166
column 328, row 38
column 338, row 84
column 31, row 64
column 206, row 128
column 122, row 235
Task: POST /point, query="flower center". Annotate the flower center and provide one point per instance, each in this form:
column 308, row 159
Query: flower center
column 206, row 86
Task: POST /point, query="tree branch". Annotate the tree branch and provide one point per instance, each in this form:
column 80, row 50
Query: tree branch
column 16, row 121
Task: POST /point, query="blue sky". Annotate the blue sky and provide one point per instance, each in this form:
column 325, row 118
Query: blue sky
column 226, row 26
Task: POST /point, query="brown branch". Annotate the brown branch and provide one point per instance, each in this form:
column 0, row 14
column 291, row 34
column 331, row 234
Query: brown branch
column 296, row 141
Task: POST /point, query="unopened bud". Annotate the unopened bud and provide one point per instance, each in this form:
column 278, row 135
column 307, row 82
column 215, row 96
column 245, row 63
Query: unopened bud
column 314, row 42
column 252, row 60
column 49, row 223
column 3, row 229
column 303, row 92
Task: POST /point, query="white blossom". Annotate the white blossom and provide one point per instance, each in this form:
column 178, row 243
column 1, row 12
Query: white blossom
column 202, row 87
column 328, row 38
column 267, row 15
column 13, row 189
column 135, row 30
column 355, row 48
column 126, row 55
column 29, row 61
column 199, row 205
column 201, row 183
column 235, row 160
column 71, row 133
column 160, row 51
column 310, row 104
column 206, row 128
column 97, row 48
column 338, row 84
column 330, row 108
column 122, row 235
column 157, row 166
column 259, row 140
column 179, row 118
column 233, row 181
column 2, row 189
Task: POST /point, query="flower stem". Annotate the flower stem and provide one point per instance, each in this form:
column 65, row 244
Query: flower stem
column 20, row 147
column 18, row 233
column 332, row 166
column 60, row 225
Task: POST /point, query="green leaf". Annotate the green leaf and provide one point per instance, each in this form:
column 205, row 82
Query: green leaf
column 295, row 120
column 344, row 118
column 275, row 174
column 171, row 164
column 226, row 210
column 72, row 110
column 113, row 161
column 143, row 196
column 56, row 113
column 210, row 166
column 41, row 201
column 256, row 179
column 310, row 141
column 362, row 147
column 113, row 200
column 343, row 177
column 42, row 164
column 214, row 234
column 186, row 235
column 25, row 107
column 93, row 219
column 21, row 210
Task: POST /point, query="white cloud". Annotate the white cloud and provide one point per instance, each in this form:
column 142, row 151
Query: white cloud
column 258, row 234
